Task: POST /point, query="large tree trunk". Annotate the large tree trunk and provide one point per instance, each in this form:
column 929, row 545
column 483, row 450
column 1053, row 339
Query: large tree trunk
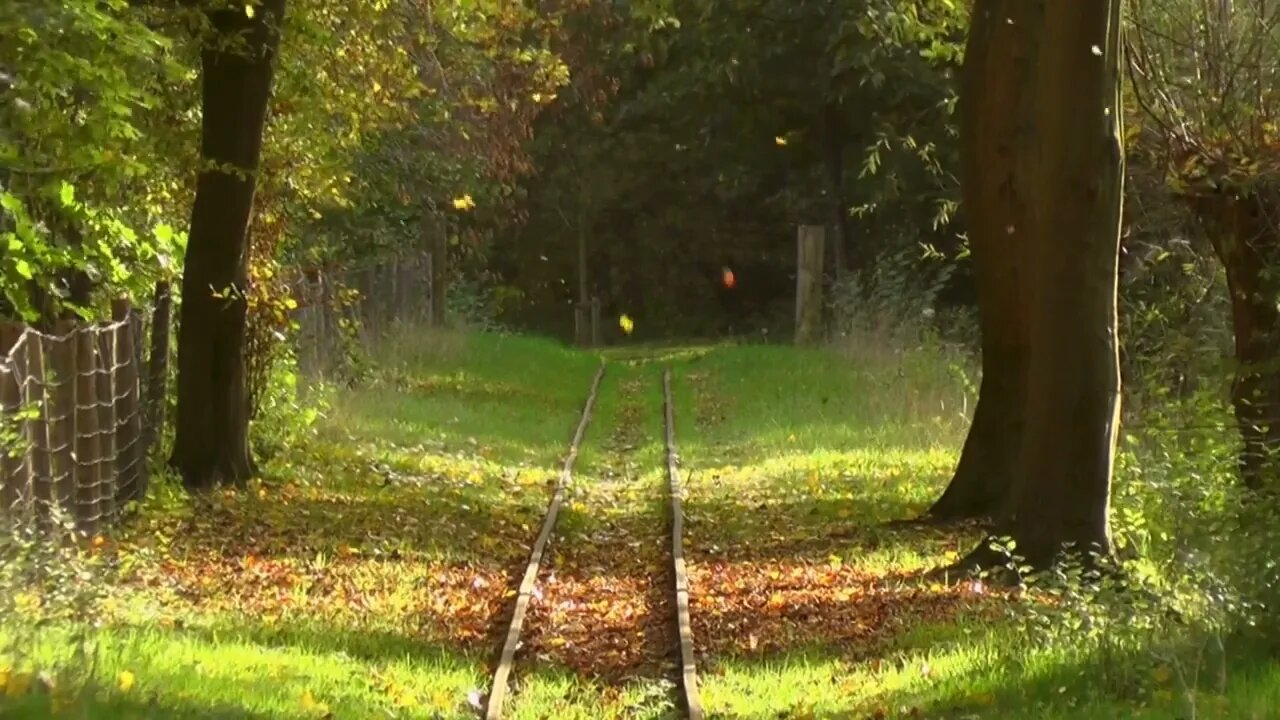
column 211, row 446
column 1074, row 164
column 993, row 89
column 1245, row 229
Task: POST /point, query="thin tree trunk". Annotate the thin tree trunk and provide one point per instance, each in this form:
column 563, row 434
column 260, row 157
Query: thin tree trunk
column 993, row 89
column 833, row 160
column 582, row 313
column 1075, row 168
column 158, row 365
column 211, row 446
column 1245, row 230
column 439, row 273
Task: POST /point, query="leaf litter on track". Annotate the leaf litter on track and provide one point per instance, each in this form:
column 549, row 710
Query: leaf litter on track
column 604, row 609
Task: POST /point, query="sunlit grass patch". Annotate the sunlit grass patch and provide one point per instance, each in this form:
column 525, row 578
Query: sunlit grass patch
column 240, row 671
column 551, row 693
column 797, row 585
column 511, row 399
column 365, row 575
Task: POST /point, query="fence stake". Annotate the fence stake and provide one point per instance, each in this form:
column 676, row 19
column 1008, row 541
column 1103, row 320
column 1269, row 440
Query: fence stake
column 15, row 478
column 809, row 283
column 107, row 341
column 35, row 395
column 62, row 354
column 158, row 367
column 130, row 470
column 88, row 452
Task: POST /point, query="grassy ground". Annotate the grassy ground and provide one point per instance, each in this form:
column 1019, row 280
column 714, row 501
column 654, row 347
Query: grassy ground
column 369, row 574
column 807, row 605
column 364, row 577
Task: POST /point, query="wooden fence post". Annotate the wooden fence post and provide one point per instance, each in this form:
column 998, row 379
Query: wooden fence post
column 15, row 475
column 35, row 395
column 88, row 456
column 158, row 367
column 809, row 283
column 105, row 340
column 130, row 460
column 62, row 356
column 595, row 322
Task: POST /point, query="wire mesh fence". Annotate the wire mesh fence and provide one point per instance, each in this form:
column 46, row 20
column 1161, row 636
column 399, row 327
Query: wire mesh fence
column 346, row 309
column 73, row 420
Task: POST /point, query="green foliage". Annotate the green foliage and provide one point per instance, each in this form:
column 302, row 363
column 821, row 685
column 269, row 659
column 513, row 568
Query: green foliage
column 695, row 136
column 85, row 120
column 48, row 578
column 1203, row 93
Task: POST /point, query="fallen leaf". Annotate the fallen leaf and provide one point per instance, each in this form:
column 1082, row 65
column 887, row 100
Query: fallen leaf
column 125, row 681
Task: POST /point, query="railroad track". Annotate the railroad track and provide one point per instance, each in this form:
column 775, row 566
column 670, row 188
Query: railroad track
column 687, row 682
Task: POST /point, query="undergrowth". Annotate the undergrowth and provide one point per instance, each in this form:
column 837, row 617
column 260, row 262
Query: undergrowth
column 366, row 573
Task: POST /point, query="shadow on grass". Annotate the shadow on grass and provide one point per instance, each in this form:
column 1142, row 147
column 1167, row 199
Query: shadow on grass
column 807, row 529
column 240, row 668
column 463, row 518
column 156, row 707
column 372, row 646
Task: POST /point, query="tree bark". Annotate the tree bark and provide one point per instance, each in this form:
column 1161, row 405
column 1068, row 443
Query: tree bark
column 1075, row 165
column 158, row 365
column 1246, row 237
column 211, row 446
column 993, row 93
column 439, row 271
column 582, row 311
column 833, row 163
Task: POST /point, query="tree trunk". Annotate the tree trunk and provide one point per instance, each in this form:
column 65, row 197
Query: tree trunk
column 158, row 365
column 1246, row 238
column 211, row 446
column 439, row 273
column 582, row 311
column 1075, row 166
column 833, row 161
column 994, row 87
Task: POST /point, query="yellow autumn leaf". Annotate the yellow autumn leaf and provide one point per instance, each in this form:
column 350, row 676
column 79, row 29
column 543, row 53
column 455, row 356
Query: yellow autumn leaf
column 780, row 141
column 17, row 684
column 125, row 681
column 627, row 324
column 310, row 704
column 464, row 203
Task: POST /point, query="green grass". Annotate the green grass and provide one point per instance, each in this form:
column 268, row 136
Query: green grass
column 364, row 576
column 794, row 459
column 367, row 575
column 518, row 406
